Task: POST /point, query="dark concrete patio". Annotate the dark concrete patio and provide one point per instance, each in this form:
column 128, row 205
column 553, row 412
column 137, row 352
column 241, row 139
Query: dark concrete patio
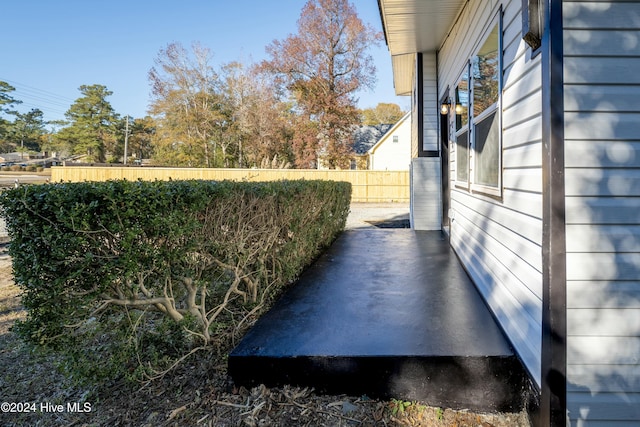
column 386, row 313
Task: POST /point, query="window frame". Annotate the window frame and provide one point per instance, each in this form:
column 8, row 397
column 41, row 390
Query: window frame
column 466, row 72
column 471, row 183
column 495, row 107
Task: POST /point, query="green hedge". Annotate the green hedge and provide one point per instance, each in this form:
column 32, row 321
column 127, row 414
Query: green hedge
column 150, row 270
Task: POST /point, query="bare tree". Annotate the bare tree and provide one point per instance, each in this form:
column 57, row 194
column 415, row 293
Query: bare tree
column 186, row 105
column 262, row 122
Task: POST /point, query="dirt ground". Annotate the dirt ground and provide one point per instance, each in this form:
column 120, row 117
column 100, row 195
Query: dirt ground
column 198, row 393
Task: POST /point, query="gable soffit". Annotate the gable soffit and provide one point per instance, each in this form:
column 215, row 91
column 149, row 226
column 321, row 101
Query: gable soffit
column 412, row 26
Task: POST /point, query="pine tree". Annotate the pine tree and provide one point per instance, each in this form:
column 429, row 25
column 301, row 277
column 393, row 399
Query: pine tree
column 92, row 124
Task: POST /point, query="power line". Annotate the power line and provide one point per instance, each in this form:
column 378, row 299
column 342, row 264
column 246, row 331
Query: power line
column 48, row 102
column 41, row 99
column 42, row 93
column 39, row 107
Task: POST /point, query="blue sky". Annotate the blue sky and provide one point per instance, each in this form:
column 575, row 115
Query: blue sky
column 48, row 49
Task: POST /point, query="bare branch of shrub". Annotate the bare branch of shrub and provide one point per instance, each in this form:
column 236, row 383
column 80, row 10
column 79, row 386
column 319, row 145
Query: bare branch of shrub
column 200, row 259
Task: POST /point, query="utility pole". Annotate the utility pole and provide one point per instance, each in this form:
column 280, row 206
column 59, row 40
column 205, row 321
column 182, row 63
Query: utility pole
column 126, row 139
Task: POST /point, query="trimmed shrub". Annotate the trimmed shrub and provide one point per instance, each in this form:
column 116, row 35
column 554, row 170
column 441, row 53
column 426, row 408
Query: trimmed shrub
column 148, row 271
column 15, row 168
column 31, row 168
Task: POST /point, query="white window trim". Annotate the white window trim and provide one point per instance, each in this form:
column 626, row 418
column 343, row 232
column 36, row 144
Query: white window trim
column 470, row 185
column 459, row 183
column 497, row 107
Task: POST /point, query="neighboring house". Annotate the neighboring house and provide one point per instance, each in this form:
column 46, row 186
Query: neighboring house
column 393, row 150
column 383, row 146
column 366, row 137
column 13, row 157
column 527, row 153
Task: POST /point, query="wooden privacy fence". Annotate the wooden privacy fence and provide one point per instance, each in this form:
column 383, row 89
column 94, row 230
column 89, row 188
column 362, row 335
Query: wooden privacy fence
column 368, row 186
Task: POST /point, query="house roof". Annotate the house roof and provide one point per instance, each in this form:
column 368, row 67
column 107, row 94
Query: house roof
column 12, row 157
column 388, row 132
column 412, row 26
column 366, row 136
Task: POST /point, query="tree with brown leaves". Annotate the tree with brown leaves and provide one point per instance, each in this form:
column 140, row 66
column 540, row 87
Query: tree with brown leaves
column 323, row 66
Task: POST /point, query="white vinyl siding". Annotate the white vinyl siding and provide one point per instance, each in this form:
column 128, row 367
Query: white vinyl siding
column 425, row 193
column 415, row 143
column 602, row 158
column 430, row 103
column 393, row 151
column 499, row 239
column 426, row 198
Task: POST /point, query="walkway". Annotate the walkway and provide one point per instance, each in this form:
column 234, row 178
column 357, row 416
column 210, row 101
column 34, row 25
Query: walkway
column 386, row 313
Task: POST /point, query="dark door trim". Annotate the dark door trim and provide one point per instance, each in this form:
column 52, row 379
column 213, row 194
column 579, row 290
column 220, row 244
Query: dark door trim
column 444, row 162
column 420, row 106
column 553, row 393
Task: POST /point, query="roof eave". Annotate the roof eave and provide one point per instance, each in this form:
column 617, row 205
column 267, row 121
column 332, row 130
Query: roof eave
column 403, row 70
column 412, row 26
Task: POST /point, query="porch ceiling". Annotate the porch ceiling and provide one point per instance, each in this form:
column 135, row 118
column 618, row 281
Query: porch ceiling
column 412, row 26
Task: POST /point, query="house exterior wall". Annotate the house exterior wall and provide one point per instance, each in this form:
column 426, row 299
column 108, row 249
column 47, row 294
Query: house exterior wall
column 426, row 188
column 415, row 111
column 602, row 179
column 498, row 239
column 425, row 194
column 430, row 108
column 390, row 155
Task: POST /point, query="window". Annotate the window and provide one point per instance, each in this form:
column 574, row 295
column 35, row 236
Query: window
column 477, row 119
column 395, row 139
column 462, row 128
column 486, row 120
column 487, row 137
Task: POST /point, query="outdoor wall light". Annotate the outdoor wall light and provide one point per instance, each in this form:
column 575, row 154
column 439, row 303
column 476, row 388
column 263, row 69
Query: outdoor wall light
column 445, row 106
